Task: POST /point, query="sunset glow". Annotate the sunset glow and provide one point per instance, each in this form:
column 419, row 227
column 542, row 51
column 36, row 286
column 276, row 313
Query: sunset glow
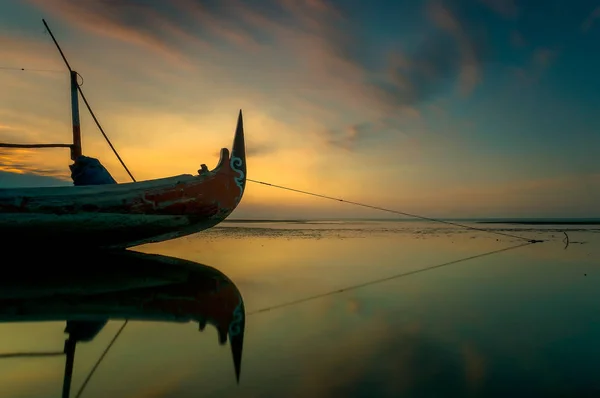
column 447, row 109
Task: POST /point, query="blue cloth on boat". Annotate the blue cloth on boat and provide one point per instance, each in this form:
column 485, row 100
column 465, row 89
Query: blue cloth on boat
column 89, row 171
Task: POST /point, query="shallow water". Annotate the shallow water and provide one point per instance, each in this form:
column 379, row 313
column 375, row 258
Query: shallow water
column 522, row 322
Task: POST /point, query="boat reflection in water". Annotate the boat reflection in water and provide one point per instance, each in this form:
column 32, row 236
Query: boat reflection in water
column 88, row 289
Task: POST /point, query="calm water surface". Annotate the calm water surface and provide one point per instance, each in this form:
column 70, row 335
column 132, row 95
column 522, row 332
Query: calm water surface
column 521, row 323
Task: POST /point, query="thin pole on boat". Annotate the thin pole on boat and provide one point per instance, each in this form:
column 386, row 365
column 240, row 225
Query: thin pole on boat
column 76, row 148
column 76, row 145
column 89, row 108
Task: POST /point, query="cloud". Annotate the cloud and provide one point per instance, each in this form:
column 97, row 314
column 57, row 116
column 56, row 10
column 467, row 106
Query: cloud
column 262, row 149
column 470, row 51
column 543, row 56
column 504, row 8
column 334, row 65
column 26, row 52
column 540, row 60
column 26, row 180
column 203, row 14
column 133, row 22
column 315, row 79
column 517, row 39
column 23, row 161
column 254, row 150
column 10, row 134
column 348, row 137
column 591, row 20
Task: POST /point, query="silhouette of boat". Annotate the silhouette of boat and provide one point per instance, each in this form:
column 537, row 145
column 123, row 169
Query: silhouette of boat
column 98, row 212
column 125, row 215
column 125, row 285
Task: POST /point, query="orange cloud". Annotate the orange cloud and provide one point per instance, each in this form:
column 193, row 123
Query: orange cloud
column 98, row 18
column 319, row 38
column 23, row 161
column 217, row 26
column 23, row 52
column 167, row 78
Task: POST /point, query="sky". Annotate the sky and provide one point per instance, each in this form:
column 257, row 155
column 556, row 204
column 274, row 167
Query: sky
column 478, row 108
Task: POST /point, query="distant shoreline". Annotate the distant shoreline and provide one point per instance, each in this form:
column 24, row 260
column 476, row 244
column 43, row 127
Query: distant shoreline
column 541, row 222
column 592, row 221
column 264, row 221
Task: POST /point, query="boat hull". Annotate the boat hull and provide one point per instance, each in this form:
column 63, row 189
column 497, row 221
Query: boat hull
column 125, row 215
column 105, row 230
column 111, row 230
column 122, row 215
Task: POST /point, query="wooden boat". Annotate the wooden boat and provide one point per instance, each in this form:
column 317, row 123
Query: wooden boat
column 125, row 215
column 122, row 285
column 97, row 212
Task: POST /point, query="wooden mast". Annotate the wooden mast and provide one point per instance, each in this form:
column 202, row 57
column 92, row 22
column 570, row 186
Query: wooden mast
column 74, row 100
column 76, row 147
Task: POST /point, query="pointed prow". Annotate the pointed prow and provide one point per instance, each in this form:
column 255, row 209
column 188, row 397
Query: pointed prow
column 237, row 162
column 238, row 151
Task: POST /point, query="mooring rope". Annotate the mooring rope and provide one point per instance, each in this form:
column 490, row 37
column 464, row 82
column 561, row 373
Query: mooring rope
column 396, row 211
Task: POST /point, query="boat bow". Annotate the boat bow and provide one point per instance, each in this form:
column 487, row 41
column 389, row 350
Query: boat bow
column 125, row 215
